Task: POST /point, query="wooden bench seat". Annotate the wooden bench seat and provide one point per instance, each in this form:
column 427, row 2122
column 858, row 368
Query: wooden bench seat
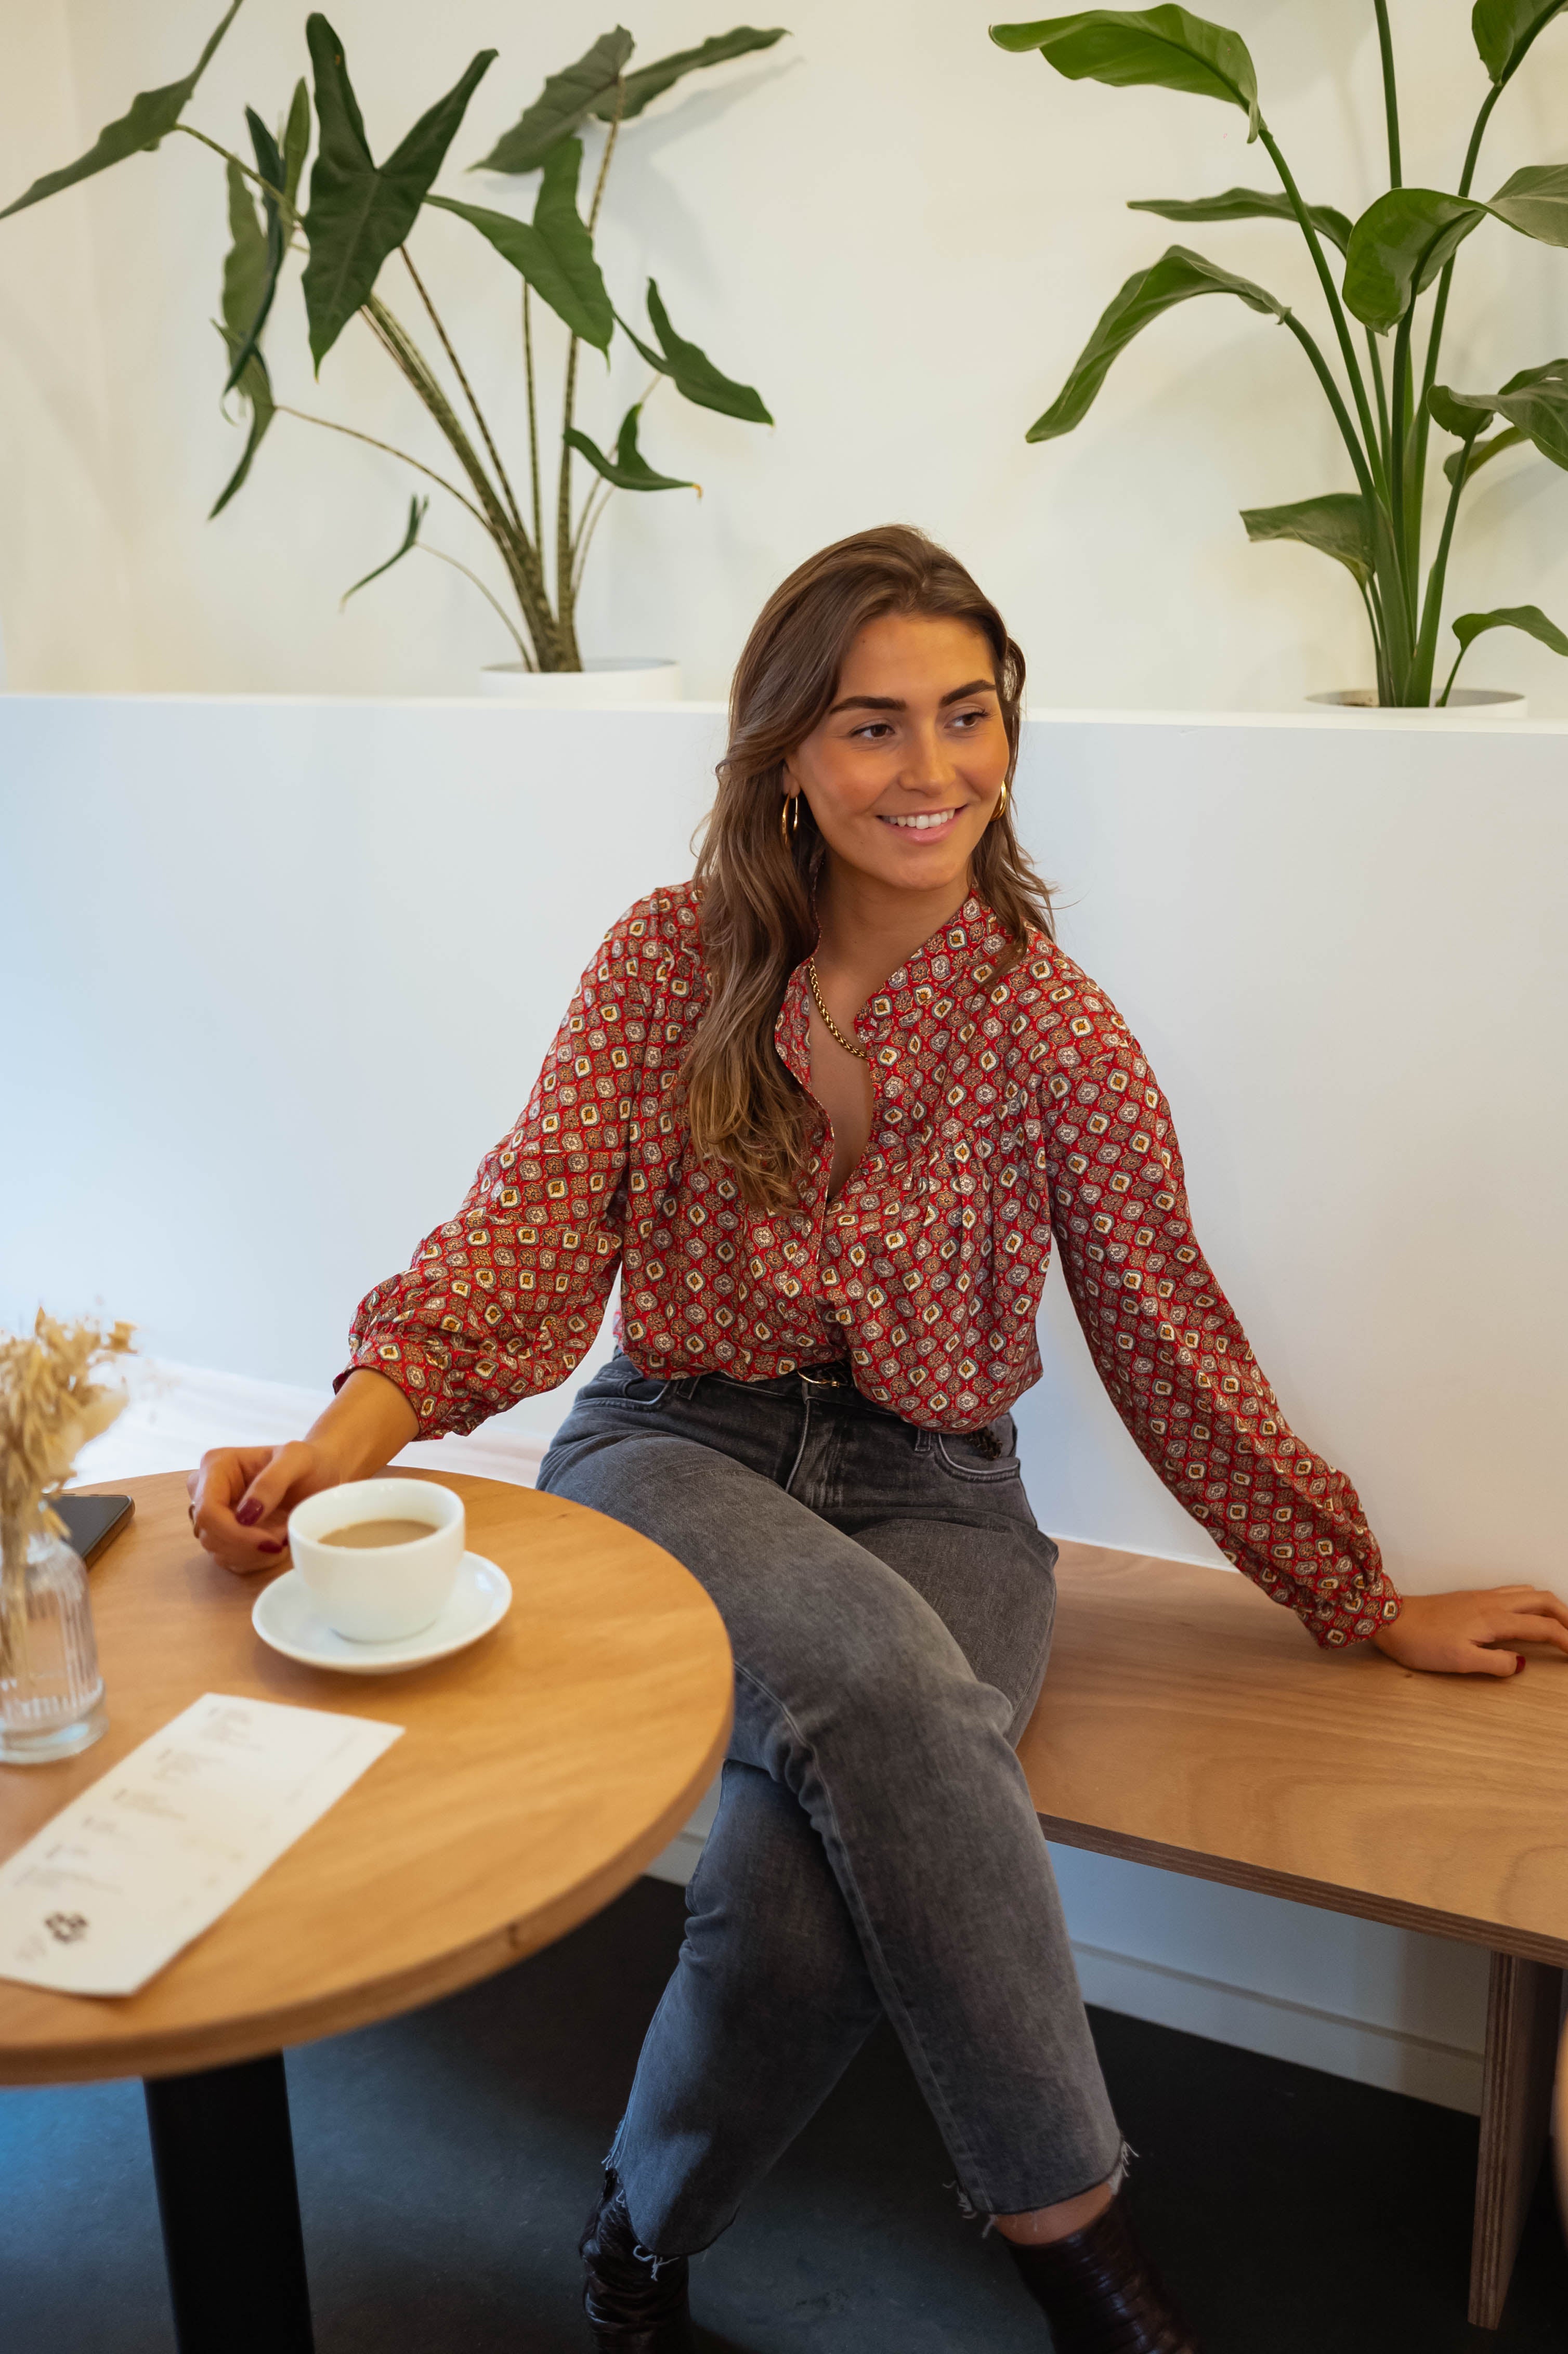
column 1188, row 1721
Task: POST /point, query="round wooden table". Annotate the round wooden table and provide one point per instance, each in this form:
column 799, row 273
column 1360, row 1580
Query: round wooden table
column 538, row 1773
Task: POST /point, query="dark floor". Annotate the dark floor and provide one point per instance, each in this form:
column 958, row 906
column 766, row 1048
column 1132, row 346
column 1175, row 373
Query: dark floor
column 446, row 2162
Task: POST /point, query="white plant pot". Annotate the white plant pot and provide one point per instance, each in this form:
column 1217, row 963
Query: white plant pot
column 605, row 681
column 1465, row 703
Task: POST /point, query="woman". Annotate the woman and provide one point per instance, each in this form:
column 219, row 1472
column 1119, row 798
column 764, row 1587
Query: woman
column 826, row 1107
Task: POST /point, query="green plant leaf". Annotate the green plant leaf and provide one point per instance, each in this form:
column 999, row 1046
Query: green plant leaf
column 1481, row 451
column 587, row 313
column 1246, row 204
column 1176, row 277
column 629, row 470
column 256, row 386
column 417, row 511
column 361, row 211
column 1504, row 30
column 245, row 264
column 649, row 82
column 1535, row 202
column 152, row 115
column 692, row 372
column 1462, row 414
column 1534, row 402
column 562, row 107
column 1336, row 524
column 1398, row 247
column 269, row 164
column 1163, row 47
column 296, row 142
column 1528, row 618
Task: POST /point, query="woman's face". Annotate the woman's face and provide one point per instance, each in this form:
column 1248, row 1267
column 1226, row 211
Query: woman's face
column 904, row 774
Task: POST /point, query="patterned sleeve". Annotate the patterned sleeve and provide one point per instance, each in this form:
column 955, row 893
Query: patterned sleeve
column 1171, row 1353
column 504, row 1299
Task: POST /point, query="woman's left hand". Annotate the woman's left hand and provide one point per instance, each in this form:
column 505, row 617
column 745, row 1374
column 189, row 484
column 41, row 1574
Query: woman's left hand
column 1473, row 1634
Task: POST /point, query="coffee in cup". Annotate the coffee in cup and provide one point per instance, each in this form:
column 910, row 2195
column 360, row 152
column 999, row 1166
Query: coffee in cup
column 379, row 1557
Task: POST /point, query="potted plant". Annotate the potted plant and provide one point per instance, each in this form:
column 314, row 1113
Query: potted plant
column 360, row 213
column 1402, row 250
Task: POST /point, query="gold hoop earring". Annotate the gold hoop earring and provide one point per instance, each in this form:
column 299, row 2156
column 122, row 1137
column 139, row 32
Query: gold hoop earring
column 789, row 821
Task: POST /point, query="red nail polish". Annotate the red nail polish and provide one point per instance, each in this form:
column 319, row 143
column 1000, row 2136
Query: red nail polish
column 248, row 1513
column 268, row 1544
column 1518, row 1663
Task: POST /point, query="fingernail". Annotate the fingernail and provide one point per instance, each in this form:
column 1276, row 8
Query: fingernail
column 250, row 1512
column 269, row 1544
column 1518, row 1663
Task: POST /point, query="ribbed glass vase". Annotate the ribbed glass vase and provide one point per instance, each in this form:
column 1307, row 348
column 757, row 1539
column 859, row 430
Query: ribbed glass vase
column 51, row 1692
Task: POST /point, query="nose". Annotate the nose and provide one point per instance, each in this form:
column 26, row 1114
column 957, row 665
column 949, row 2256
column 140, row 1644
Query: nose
column 928, row 767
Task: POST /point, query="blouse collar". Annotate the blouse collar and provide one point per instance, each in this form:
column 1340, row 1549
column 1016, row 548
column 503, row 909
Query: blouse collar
column 943, row 964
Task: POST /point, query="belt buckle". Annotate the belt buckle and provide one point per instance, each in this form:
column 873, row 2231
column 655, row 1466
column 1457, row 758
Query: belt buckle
column 835, row 1376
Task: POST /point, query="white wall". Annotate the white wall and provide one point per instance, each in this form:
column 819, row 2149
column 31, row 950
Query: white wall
column 902, row 236
column 277, row 973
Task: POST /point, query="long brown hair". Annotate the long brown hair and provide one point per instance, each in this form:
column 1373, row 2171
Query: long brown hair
column 757, row 915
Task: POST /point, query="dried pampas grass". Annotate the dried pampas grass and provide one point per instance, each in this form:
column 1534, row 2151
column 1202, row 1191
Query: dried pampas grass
column 50, row 1407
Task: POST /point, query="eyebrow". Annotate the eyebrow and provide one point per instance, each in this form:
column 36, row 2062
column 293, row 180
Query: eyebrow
column 896, row 702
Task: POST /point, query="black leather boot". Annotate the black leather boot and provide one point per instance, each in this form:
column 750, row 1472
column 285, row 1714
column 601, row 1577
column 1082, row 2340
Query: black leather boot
column 631, row 2308
column 1099, row 2294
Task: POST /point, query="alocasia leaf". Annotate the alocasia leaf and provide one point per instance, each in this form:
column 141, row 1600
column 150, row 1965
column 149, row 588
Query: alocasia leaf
column 692, row 372
column 361, row 211
column 296, row 140
column 555, row 253
column 417, row 510
column 152, row 115
column 269, row 164
column 562, row 107
column 245, row 272
column 649, row 82
column 629, row 470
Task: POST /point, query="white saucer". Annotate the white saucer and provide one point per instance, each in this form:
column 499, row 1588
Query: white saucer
column 285, row 1616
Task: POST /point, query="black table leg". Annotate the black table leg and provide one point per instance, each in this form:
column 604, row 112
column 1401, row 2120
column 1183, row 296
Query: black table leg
column 223, row 2159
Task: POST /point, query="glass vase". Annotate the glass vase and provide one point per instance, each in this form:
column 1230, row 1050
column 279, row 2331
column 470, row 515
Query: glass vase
column 51, row 1691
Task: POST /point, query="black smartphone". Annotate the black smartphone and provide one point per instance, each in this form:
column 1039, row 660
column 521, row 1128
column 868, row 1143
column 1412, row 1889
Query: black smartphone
column 91, row 1522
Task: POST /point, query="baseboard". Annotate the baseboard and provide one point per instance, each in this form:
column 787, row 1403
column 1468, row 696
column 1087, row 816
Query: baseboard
column 178, row 1411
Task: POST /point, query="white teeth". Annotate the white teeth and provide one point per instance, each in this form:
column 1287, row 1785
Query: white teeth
column 920, row 825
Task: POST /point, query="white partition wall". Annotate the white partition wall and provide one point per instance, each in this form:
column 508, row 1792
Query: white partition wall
column 275, row 971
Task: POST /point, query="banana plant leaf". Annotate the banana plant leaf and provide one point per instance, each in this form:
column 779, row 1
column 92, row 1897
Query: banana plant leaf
column 361, row 211
column 562, row 107
column 555, row 254
column 417, row 512
column 1336, row 524
column 1482, row 452
column 1398, row 247
column 1165, row 49
column 152, row 115
column 1534, row 402
column 692, row 372
column 245, row 271
column 1504, row 30
column 1247, row 204
column 1176, row 277
column 1535, row 202
column 296, row 142
column 649, row 82
column 629, row 470
column 1528, row 618
column 270, row 164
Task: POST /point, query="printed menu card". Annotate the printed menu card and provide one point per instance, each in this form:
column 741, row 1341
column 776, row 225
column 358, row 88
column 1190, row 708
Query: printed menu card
column 148, row 1857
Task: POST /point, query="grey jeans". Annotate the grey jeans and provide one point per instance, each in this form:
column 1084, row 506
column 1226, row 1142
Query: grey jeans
column 888, row 1599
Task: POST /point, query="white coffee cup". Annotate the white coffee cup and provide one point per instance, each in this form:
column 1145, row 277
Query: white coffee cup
column 377, row 1594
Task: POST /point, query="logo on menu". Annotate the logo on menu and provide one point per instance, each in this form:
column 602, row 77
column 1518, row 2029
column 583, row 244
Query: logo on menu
column 66, row 1928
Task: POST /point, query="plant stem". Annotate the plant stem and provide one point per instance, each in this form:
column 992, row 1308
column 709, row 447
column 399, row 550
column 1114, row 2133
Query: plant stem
column 422, row 547
column 468, row 389
column 1374, row 359
column 354, row 432
column 565, row 596
column 1432, row 613
column 279, row 198
column 1325, row 375
column 1331, row 294
column 1440, row 301
column 1390, row 95
column 533, row 419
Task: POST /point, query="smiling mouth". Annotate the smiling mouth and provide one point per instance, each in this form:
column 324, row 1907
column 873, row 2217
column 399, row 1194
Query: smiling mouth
column 921, row 822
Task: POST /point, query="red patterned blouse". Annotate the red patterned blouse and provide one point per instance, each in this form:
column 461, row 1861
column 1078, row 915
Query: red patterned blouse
column 1006, row 1115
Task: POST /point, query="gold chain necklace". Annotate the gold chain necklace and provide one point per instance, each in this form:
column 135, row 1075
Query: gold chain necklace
column 850, row 1049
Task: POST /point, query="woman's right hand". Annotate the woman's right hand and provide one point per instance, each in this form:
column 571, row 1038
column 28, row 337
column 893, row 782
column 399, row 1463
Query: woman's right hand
column 241, row 1497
